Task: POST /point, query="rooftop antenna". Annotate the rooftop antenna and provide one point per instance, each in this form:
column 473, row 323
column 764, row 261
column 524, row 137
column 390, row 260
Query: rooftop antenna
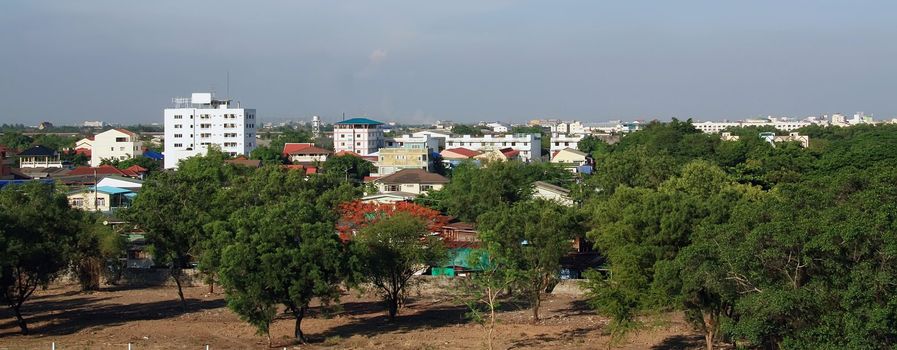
column 227, row 97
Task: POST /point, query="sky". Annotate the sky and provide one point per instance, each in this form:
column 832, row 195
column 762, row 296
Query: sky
column 417, row 61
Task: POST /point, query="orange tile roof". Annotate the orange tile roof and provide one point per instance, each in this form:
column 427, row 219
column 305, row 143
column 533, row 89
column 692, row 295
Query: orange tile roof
column 463, row 151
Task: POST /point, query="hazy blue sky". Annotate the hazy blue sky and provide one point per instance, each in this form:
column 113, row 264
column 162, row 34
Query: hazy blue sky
column 123, row 61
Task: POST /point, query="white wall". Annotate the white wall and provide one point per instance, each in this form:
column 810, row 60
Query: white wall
column 188, row 129
column 114, row 144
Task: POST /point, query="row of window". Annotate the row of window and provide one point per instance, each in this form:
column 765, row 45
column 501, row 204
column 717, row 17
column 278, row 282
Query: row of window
column 479, row 144
column 208, row 116
column 210, row 135
column 207, row 126
column 226, row 144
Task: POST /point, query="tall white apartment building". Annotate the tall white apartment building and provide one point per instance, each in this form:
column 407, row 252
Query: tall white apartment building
column 196, row 123
column 359, row 135
column 529, row 145
column 114, row 144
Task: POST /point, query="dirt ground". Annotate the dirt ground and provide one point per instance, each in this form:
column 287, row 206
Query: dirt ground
column 152, row 318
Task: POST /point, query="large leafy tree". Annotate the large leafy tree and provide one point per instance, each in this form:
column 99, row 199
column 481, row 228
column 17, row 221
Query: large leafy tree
column 37, row 230
column 391, row 250
column 174, row 208
column 348, row 166
column 531, row 236
column 355, row 215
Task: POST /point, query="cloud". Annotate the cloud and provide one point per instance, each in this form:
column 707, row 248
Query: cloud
column 377, row 57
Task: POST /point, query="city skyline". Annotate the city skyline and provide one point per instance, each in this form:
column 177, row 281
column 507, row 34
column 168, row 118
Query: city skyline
column 467, row 62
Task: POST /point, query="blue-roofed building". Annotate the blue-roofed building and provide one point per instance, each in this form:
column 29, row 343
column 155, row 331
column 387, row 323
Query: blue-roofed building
column 154, row 155
column 101, row 198
column 358, row 135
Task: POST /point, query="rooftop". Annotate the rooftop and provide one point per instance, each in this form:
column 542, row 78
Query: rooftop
column 363, row 121
column 413, row 176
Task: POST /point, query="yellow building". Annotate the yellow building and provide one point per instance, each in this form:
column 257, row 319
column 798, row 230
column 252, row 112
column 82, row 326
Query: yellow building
column 391, row 160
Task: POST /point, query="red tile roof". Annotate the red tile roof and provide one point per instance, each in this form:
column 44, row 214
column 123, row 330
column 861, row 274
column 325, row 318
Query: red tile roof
column 308, row 169
column 136, row 168
column 100, row 170
column 130, row 133
column 463, row 151
column 413, row 176
column 510, row 153
column 289, row 148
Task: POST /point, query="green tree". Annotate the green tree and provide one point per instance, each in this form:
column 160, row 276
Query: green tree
column 281, row 253
column 462, row 129
column 531, row 236
column 37, row 229
column 482, row 292
column 174, row 208
column 593, row 145
column 391, row 250
column 349, row 167
column 96, row 247
column 15, row 140
column 267, row 155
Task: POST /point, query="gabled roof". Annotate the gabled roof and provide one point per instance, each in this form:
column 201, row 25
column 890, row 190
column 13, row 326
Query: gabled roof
column 463, row 151
column 111, row 190
column 125, row 131
column 364, row 121
column 413, row 176
column 303, row 148
column 136, row 168
column 571, row 150
column 136, row 182
column 510, row 153
column 39, row 150
column 100, row 170
column 308, row 169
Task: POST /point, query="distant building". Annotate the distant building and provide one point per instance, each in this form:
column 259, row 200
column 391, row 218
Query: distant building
column 101, row 198
column 547, row 191
column 570, row 157
column 39, row 157
column 44, row 125
column 409, row 156
column 194, row 124
column 413, row 181
column 113, row 144
column 529, row 145
column 563, row 141
column 94, row 124
column 358, row 135
column 305, row 153
column 498, row 127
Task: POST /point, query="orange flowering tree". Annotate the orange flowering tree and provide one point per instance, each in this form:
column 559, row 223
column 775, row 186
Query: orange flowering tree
column 356, row 215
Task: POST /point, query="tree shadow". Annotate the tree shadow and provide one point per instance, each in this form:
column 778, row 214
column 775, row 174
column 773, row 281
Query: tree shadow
column 680, row 342
column 411, row 318
column 70, row 316
column 570, row 335
column 578, row 307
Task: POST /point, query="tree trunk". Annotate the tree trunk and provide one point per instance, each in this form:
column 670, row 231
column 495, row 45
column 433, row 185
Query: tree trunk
column 393, row 305
column 211, row 286
column 176, row 275
column 16, row 309
column 710, row 326
column 491, row 323
column 297, row 331
column 537, row 301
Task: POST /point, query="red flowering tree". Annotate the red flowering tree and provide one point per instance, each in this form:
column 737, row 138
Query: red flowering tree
column 356, row 215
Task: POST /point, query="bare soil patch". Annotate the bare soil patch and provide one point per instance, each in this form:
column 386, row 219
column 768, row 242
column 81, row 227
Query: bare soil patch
column 152, row 318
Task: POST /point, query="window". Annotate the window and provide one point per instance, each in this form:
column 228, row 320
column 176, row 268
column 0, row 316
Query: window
column 358, row 135
column 121, row 149
column 121, row 139
column 426, row 187
column 178, row 126
column 178, row 135
column 342, row 136
column 566, row 144
column 358, row 143
column 178, row 145
column 123, row 157
column 205, row 126
column 101, row 202
column 178, row 116
column 76, row 202
column 392, row 188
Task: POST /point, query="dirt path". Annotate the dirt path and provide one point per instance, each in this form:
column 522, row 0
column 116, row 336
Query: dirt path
column 152, row 318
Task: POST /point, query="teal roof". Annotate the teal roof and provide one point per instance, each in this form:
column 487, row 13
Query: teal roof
column 365, row 121
column 112, row 190
column 468, row 258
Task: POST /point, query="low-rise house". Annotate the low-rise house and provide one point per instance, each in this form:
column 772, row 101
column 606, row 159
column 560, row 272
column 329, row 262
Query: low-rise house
column 39, row 157
column 575, row 160
column 500, row 155
column 114, row 144
column 414, row 181
column 547, row 191
column 389, row 197
column 122, row 182
column 305, row 153
column 101, row 198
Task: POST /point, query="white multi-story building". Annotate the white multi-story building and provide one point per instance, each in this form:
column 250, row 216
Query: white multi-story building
column 498, row 127
column 196, row 123
column 114, row 144
column 778, row 123
column 529, row 145
column 94, row 124
column 562, row 141
column 359, row 135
